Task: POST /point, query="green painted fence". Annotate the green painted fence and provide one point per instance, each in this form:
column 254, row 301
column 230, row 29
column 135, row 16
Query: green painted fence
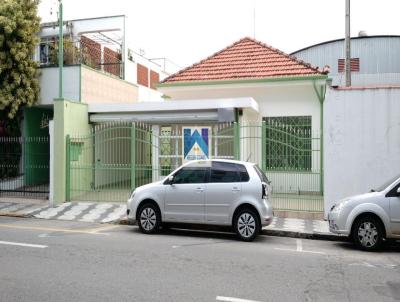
column 118, row 157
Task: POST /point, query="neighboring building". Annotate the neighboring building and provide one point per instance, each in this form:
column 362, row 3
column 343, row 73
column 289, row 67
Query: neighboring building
column 96, row 59
column 99, row 68
column 374, row 59
column 361, row 128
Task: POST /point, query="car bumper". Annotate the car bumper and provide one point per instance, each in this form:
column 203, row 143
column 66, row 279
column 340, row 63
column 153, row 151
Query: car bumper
column 265, row 221
column 130, row 215
column 266, row 213
column 335, row 225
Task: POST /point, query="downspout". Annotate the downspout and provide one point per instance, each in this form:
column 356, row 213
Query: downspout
column 320, row 92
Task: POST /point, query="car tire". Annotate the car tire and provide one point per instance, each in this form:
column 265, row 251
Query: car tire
column 149, row 218
column 368, row 233
column 246, row 224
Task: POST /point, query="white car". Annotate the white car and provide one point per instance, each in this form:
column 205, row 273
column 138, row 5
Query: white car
column 214, row 192
column 369, row 218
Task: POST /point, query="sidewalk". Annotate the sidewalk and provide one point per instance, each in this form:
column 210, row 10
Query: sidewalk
column 116, row 213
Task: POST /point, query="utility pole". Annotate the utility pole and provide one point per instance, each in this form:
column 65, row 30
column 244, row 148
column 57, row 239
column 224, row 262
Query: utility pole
column 347, row 46
column 60, row 50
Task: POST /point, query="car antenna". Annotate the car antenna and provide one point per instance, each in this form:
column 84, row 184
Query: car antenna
column 247, row 160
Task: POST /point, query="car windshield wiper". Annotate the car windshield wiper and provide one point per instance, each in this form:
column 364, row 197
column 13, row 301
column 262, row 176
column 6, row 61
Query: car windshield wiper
column 372, row 190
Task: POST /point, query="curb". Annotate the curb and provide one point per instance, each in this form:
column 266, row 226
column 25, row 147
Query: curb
column 123, row 222
column 304, row 235
column 278, row 233
column 18, row 215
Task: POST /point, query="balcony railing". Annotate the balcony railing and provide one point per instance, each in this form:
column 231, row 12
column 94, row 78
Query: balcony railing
column 84, row 51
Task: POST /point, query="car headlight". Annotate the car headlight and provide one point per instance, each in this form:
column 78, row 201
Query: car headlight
column 338, row 207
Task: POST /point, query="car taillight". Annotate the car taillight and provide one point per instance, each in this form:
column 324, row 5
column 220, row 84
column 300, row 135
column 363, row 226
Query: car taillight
column 264, row 190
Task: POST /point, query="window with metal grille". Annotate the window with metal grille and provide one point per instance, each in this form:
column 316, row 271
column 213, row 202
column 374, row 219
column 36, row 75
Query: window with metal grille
column 354, row 65
column 288, row 143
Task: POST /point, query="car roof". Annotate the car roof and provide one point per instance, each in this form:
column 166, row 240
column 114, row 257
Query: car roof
column 221, row 160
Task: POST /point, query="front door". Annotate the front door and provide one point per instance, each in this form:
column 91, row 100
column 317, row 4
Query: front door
column 223, row 191
column 185, row 196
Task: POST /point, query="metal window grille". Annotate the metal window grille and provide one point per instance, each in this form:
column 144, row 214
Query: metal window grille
column 288, row 143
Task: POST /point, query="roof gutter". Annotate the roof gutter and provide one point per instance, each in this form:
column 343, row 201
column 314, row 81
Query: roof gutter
column 244, row 81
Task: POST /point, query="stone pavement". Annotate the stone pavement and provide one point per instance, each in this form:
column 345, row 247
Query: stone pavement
column 116, row 213
column 80, row 211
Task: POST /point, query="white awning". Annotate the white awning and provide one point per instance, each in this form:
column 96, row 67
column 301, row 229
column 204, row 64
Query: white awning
column 203, row 110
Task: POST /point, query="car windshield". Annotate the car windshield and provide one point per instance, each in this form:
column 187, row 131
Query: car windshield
column 261, row 174
column 386, row 184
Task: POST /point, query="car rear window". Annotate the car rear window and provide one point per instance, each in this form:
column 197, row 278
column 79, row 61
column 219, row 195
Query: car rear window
column 261, row 174
column 244, row 176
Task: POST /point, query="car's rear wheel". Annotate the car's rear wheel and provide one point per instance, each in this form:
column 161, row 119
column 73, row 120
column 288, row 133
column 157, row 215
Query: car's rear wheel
column 246, row 224
column 368, row 233
column 149, row 218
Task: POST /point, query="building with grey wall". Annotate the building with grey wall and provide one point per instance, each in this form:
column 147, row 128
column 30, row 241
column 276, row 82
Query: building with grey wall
column 375, row 59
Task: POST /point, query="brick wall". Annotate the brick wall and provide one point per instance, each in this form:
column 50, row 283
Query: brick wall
column 154, row 79
column 142, row 75
column 111, row 61
column 91, row 52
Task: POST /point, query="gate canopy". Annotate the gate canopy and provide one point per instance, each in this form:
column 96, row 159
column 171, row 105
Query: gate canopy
column 218, row 110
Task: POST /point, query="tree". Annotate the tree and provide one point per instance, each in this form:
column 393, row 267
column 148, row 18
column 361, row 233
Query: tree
column 19, row 84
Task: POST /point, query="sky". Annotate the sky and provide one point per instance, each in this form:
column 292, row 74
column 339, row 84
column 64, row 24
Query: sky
column 186, row 31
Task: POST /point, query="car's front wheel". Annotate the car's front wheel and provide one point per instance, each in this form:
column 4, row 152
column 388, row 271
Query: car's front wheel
column 368, row 233
column 246, row 224
column 149, row 218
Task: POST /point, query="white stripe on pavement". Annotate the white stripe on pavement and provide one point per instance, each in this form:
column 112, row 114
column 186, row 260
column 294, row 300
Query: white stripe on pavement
column 24, row 244
column 299, row 245
column 231, row 299
column 290, row 250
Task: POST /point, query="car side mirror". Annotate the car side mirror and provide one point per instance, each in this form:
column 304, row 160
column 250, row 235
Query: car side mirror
column 170, row 179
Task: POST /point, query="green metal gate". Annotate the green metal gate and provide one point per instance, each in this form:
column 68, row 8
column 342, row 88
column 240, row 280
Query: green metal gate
column 115, row 158
column 24, row 167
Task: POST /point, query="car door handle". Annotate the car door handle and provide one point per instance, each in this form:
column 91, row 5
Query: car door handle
column 199, row 189
column 235, row 189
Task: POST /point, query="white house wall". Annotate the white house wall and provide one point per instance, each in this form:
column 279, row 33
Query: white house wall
column 49, row 84
column 287, row 99
column 362, row 141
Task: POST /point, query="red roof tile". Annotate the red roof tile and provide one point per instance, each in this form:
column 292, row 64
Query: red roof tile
column 244, row 59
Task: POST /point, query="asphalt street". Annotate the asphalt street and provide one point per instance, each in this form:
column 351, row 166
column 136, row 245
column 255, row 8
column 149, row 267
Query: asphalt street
column 48, row 260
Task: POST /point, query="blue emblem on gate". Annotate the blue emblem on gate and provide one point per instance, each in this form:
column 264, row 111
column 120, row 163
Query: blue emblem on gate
column 191, row 137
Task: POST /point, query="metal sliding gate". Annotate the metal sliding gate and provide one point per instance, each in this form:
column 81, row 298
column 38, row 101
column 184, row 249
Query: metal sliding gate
column 24, row 167
column 115, row 158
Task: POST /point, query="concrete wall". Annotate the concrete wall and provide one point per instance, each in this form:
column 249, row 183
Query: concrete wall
column 362, row 140
column 49, row 84
column 98, row 87
column 69, row 118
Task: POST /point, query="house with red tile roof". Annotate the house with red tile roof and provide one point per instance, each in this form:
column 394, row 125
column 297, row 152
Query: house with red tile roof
column 282, row 85
column 288, row 94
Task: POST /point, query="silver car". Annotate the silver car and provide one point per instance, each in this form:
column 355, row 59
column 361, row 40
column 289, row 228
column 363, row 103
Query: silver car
column 214, row 192
column 369, row 218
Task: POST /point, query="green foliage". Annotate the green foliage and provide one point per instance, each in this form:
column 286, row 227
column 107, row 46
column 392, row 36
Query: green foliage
column 19, row 25
column 71, row 52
